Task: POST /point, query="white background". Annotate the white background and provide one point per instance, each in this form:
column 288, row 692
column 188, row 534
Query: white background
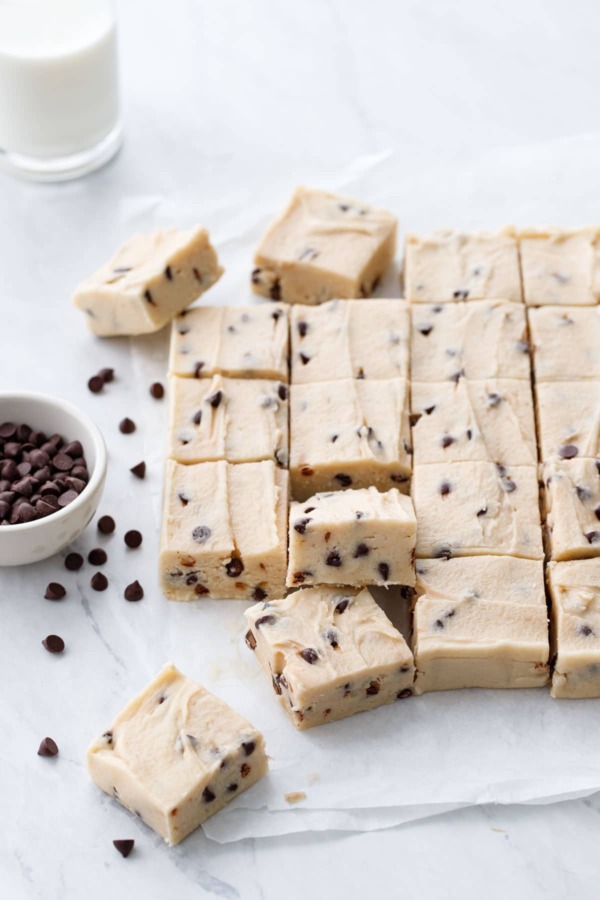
column 451, row 113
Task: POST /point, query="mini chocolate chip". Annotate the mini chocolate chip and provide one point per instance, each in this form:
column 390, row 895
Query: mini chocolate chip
column 97, row 556
column 157, row 390
column 95, row 384
column 402, row 695
column 148, row 297
column 568, row 451
column 201, row 534
column 482, row 511
column 460, row 294
column 344, row 480
column 106, row 375
column 309, row 655
column 373, row 689
column 342, row 606
column 265, row 620
column 231, row 788
column 134, row 591
column 493, row 399
column 197, row 417
column 425, row 329
column 198, row 369
column 282, row 391
column 445, row 488
column 139, row 470
column 447, row 440
column 361, row 550
column 457, row 376
column 442, row 551
column 331, row 636
column 333, row 558
column 73, row 561
column 248, row 747
column 124, row 846
column 300, row 524
column 207, row 795
column 307, row 471
column 384, row 570
column 55, row 591
column 597, row 512
column 53, row 643
column 585, row 630
column 250, row 640
column 99, row 581
column 126, row 426
column 592, row 537
column 215, row 399
column 133, row 538
column 258, row 593
column 508, row 484
column 302, row 328
column 106, row 524
column 235, row 567
column 48, row 747
column 169, row 273
column 438, row 624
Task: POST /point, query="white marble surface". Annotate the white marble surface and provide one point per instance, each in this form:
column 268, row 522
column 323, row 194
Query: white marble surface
column 452, row 113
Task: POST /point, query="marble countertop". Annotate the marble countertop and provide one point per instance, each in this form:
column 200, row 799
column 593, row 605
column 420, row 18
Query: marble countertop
column 471, row 115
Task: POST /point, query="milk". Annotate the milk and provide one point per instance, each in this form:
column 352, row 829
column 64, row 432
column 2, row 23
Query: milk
column 59, row 106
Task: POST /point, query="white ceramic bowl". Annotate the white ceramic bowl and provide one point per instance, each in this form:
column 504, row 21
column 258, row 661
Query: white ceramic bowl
column 32, row 541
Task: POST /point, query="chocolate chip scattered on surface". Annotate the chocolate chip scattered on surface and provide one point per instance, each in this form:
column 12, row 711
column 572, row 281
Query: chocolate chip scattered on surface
column 106, row 524
column 124, row 846
column 53, row 643
column 157, row 390
column 99, row 581
column 134, row 591
column 126, row 426
column 97, row 556
column 48, row 747
column 55, row 591
column 133, row 539
column 139, row 470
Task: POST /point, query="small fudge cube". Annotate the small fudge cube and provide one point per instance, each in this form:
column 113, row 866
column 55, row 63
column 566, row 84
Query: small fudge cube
column 477, row 509
column 560, row 266
column 568, row 415
column 451, row 265
column 150, row 279
column 575, row 593
column 566, row 343
column 350, row 339
column 236, row 341
column 324, row 246
column 240, row 420
column 224, row 531
column 571, row 499
column 329, row 654
column 470, row 340
column 480, row 622
column 176, row 755
column 473, row 420
column 349, row 433
column 353, row 537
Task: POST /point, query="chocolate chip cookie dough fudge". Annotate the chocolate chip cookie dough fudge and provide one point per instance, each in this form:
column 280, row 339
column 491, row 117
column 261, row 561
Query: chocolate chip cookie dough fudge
column 480, row 622
column 236, row 341
column 353, row 537
column 565, row 342
column 469, row 340
column 239, row 420
column 575, row 592
column 329, row 653
column 150, row 279
column 350, row 339
column 349, row 433
column 176, row 755
column 452, row 265
column 224, row 531
column 324, row 246
column 571, row 500
column 568, row 416
column 560, row 266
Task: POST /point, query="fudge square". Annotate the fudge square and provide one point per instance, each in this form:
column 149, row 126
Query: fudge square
column 477, row 509
column 568, row 415
column 451, row 265
column 560, row 266
column 471, row 340
column 353, row 537
column 150, row 279
column 349, row 433
column 571, row 499
column 240, row 420
column 566, row 343
column 236, row 341
column 480, row 622
column 474, row 420
column 324, row 246
column 224, row 531
column 575, row 593
column 176, row 755
column 350, row 339
column 329, row 653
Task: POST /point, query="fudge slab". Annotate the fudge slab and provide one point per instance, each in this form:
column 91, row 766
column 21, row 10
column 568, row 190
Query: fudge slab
column 176, row 755
column 349, row 433
column 560, row 266
column 324, row 246
column 473, row 420
column 571, row 500
column 240, row 420
column 329, row 653
column 235, row 341
column 353, row 537
column 575, row 593
column 480, row 622
column 471, row 340
column 224, row 531
column 568, row 416
column 566, row 343
column 450, row 265
column 150, row 279
column 350, row 339
column 477, row 509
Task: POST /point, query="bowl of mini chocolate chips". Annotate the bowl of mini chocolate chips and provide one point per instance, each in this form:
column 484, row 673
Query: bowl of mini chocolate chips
column 52, row 470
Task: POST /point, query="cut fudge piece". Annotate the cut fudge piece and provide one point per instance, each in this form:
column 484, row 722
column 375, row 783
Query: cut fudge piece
column 350, row 339
column 224, row 531
column 349, row 433
column 353, row 537
column 480, row 622
column 329, row 653
column 474, row 420
column 240, row 420
column 324, row 246
column 450, row 265
column 571, row 500
column 566, row 343
column 237, row 341
column 568, row 415
column 471, row 340
column 575, row 593
column 560, row 266
column 477, row 509
column 176, row 755
column 150, row 279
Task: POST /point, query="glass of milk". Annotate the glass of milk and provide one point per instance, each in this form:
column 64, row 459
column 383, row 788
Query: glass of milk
column 59, row 99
